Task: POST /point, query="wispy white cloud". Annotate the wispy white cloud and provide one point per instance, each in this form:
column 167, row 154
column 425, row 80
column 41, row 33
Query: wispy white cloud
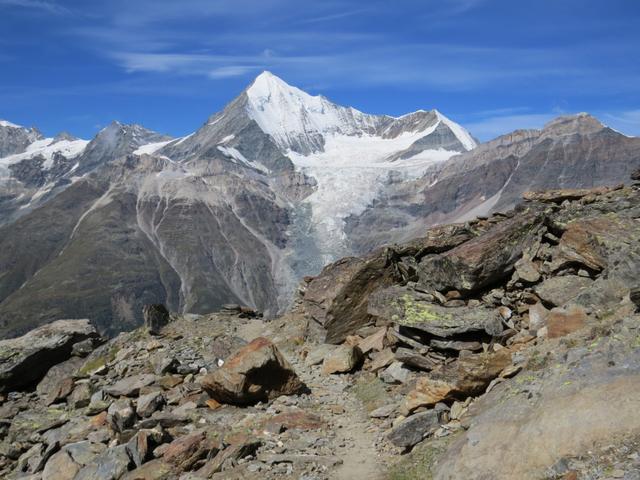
column 230, row 71
column 42, row 5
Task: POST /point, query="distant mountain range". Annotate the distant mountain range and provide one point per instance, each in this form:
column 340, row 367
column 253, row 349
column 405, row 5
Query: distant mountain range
column 270, row 189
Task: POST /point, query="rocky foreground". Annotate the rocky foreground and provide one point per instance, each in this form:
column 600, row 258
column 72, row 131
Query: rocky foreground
column 506, row 347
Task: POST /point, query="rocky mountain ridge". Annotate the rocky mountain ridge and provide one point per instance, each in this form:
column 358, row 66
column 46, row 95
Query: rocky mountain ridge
column 447, row 352
column 269, row 190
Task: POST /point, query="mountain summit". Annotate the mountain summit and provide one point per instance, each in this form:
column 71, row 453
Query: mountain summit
column 265, row 192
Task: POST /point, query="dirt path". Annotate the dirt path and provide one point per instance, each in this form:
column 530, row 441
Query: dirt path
column 353, row 440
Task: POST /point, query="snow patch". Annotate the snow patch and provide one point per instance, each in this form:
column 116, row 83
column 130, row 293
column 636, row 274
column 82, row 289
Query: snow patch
column 151, row 148
column 5, row 123
column 350, row 174
column 465, row 138
column 47, row 148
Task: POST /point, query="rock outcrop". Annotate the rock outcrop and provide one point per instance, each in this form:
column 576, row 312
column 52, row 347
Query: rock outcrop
column 256, row 372
column 25, row 360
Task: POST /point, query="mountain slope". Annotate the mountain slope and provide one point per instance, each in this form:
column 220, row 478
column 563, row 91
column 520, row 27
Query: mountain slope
column 265, row 192
column 569, row 152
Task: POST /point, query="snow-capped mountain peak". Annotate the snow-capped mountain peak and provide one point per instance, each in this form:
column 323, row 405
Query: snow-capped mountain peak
column 6, row 123
column 297, row 120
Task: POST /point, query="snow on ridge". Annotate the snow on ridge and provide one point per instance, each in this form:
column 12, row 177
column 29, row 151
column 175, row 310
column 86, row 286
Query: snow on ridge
column 47, row 147
column 151, row 148
column 350, row 174
column 286, row 112
column 463, row 135
column 6, row 123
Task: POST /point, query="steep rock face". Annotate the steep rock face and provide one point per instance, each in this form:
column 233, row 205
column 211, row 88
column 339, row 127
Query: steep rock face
column 15, row 139
column 269, row 190
column 570, row 152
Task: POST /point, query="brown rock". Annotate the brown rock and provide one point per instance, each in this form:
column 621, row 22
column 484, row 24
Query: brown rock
column 427, row 393
column 60, row 467
column 484, row 260
column 256, row 372
column 338, row 297
column 184, row 451
column 382, row 359
column 469, row 375
column 580, row 243
column 376, row 341
column 563, row 321
column 342, row 360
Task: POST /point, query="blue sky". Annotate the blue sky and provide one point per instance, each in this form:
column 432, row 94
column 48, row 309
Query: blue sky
column 491, row 65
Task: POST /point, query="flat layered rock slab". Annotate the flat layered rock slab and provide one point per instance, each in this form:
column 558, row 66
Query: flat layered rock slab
column 25, row 360
column 412, row 309
column 484, row 260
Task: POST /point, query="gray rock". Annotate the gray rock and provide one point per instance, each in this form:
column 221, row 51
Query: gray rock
column 25, row 360
column 414, row 429
column 130, row 386
column 110, row 465
column 121, row 415
column 414, row 359
column 84, row 452
column 395, row 373
column 410, row 309
column 342, row 359
column 149, row 403
column 60, row 467
column 80, row 397
column 557, row 291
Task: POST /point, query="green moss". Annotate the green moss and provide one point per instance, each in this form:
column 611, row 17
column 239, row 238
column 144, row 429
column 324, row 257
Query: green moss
column 418, row 465
column 415, row 313
column 92, row 364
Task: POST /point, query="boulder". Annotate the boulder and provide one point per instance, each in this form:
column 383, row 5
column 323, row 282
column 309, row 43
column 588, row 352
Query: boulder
column 527, row 270
column 343, row 359
column 338, row 297
column 58, row 383
column 557, row 291
column 469, row 375
column 412, row 309
column 149, row 403
column 256, row 372
column 110, row 465
column 414, row 429
column 121, row 415
column 484, row 260
column 25, row 360
column 60, row 467
column 156, row 317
